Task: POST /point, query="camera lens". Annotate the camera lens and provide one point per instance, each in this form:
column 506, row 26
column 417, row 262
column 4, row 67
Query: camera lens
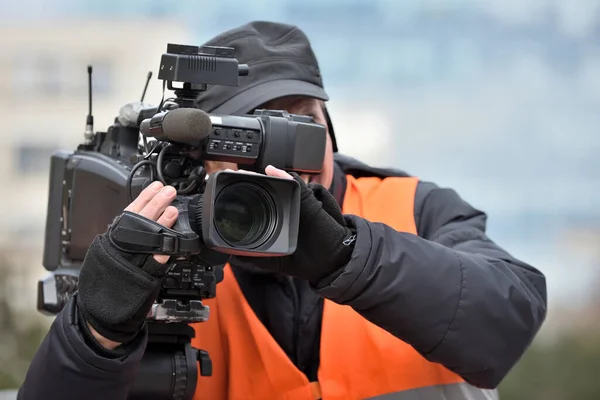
column 244, row 214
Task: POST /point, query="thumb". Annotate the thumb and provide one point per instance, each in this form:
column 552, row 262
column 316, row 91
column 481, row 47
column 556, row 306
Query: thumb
column 328, row 202
column 279, row 173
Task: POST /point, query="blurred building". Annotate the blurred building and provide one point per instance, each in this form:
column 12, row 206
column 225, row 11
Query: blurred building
column 496, row 99
column 44, row 103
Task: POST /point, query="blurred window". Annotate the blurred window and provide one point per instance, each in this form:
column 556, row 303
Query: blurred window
column 32, row 158
column 52, row 75
column 37, row 74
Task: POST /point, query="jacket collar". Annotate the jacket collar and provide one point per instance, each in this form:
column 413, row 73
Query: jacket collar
column 338, row 184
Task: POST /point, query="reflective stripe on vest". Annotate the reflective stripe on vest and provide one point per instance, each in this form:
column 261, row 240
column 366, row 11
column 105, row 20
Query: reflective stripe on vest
column 359, row 360
column 450, row 392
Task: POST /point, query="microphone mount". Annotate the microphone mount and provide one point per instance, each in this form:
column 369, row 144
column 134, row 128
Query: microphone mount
column 185, row 97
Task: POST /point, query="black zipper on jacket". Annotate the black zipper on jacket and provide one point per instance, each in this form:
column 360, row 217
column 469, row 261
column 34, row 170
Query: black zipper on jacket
column 338, row 184
column 296, row 321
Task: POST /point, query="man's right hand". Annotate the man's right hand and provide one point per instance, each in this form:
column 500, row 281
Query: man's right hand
column 116, row 290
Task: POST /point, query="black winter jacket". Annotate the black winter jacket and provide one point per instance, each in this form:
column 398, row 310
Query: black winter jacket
column 454, row 295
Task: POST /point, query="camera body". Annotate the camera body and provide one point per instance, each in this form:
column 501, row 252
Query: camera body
column 222, row 214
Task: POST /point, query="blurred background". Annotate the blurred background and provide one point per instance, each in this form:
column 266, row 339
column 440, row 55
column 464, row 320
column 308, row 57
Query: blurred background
column 499, row 99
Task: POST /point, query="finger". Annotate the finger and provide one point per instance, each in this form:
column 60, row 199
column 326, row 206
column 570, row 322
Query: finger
column 272, row 171
column 161, row 259
column 144, row 197
column 243, row 171
column 168, row 218
column 159, row 203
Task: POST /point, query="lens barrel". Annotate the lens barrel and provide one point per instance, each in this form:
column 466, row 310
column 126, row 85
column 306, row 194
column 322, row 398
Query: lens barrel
column 248, row 215
column 244, row 214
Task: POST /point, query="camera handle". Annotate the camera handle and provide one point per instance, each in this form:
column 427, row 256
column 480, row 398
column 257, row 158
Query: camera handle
column 170, row 364
column 133, row 233
column 169, row 367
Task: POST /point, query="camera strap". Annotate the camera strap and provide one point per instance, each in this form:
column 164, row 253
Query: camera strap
column 133, row 233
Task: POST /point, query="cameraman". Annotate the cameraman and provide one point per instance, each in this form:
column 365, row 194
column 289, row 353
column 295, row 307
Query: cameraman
column 394, row 291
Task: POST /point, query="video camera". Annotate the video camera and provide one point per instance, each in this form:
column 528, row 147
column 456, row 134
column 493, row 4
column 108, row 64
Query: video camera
column 221, row 214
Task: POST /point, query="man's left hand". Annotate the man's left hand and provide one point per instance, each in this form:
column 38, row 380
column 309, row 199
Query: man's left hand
column 325, row 239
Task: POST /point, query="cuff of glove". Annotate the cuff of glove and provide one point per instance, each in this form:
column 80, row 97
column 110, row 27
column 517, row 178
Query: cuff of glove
column 121, row 351
column 124, row 333
column 115, row 295
column 338, row 258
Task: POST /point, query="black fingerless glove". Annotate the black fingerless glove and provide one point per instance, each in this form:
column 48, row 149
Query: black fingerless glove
column 116, row 290
column 325, row 240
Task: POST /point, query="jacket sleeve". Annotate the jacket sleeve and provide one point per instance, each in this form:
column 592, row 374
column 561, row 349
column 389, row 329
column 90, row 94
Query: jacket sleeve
column 66, row 367
column 453, row 294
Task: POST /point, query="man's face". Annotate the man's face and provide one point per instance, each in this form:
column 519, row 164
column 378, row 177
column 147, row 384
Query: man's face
column 301, row 106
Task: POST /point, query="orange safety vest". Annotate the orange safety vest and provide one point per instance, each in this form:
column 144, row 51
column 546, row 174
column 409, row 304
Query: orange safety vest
column 359, row 360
